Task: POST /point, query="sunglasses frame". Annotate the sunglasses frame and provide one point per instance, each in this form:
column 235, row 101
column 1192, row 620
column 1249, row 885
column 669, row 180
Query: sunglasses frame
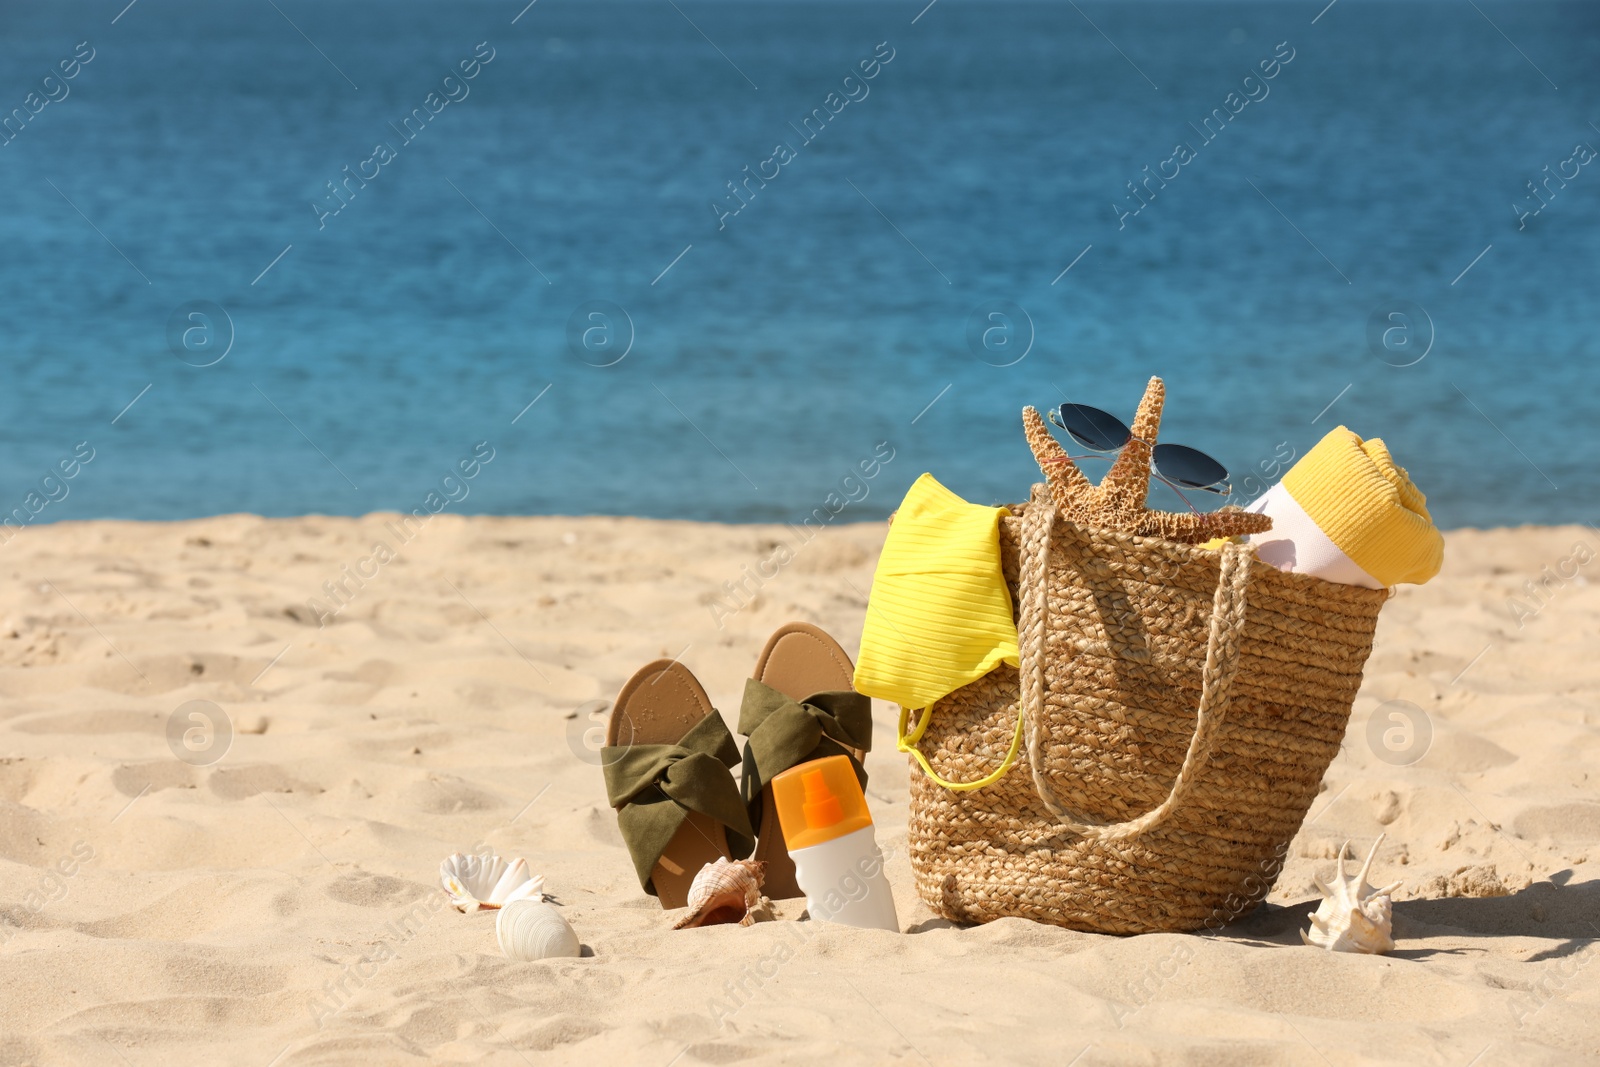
column 1221, row 487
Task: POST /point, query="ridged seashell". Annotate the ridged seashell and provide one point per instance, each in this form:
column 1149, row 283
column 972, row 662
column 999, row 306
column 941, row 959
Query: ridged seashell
column 534, row 930
column 1353, row 916
column 475, row 882
column 724, row 892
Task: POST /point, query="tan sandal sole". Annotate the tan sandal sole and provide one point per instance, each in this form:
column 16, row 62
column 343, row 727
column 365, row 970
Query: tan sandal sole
column 657, row 706
column 799, row 660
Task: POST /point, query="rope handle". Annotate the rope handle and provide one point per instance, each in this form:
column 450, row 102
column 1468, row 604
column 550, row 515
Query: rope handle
column 1222, row 662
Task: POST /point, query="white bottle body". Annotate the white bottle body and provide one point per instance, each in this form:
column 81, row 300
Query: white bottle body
column 843, row 882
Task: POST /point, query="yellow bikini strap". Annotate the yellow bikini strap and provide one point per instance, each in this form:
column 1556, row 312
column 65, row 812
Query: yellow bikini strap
column 908, row 743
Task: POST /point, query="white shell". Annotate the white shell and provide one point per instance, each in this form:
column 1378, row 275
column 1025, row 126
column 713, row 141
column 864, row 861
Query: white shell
column 475, row 882
column 1353, row 916
column 534, row 930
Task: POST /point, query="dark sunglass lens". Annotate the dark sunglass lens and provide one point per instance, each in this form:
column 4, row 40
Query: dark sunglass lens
column 1189, row 467
column 1094, row 429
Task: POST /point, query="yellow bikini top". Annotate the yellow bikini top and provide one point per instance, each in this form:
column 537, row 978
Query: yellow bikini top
column 940, row 615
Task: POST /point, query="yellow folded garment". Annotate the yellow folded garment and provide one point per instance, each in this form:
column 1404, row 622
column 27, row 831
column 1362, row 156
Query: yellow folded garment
column 940, row 613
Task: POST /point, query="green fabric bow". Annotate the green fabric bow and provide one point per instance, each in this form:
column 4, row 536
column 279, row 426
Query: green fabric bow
column 654, row 787
column 784, row 732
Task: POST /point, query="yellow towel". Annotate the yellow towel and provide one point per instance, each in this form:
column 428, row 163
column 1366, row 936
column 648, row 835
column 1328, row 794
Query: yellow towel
column 1365, row 503
column 940, row 613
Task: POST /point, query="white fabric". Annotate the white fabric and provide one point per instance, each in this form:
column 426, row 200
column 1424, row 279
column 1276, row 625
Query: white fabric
column 1296, row 543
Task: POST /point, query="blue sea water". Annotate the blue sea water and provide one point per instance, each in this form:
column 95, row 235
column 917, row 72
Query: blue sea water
column 1368, row 205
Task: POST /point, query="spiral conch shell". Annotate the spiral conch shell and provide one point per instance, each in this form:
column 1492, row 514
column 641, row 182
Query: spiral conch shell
column 725, row 891
column 1353, row 916
column 475, row 882
column 534, row 930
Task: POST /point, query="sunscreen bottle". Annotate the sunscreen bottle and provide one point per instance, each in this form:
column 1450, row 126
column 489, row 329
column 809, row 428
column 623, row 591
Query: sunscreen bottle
column 829, row 833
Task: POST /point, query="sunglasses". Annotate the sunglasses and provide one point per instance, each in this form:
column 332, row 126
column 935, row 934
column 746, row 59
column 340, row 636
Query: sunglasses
column 1176, row 465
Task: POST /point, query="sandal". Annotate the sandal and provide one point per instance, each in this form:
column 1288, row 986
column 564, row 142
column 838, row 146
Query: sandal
column 800, row 706
column 667, row 764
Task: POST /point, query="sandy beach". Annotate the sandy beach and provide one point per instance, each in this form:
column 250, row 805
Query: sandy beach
column 280, row 904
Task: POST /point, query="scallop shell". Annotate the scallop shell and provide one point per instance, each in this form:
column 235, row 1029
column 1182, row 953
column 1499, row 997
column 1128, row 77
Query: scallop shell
column 724, row 891
column 488, row 881
column 1353, row 916
column 534, row 930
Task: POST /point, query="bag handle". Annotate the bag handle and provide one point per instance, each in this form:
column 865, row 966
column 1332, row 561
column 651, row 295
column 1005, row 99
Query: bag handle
column 1222, row 663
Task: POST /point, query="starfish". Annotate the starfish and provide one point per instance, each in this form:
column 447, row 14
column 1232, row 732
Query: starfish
column 1118, row 502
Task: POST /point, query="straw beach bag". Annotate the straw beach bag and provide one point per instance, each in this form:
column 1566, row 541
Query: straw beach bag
column 1147, row 765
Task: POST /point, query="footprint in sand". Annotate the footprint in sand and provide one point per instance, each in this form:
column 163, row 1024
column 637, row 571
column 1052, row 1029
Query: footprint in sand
column 366, row 890
column 241, row 783
column 162, row 674
column 437, row 795
column 134, row 779
column 1563, row 822
column 105, row 721
column 1461, row 751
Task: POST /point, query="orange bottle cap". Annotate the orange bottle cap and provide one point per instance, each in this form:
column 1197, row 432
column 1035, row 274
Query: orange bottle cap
column 819, row 801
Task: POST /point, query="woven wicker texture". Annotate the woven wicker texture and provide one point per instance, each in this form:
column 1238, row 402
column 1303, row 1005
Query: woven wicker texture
column 1182, row 706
